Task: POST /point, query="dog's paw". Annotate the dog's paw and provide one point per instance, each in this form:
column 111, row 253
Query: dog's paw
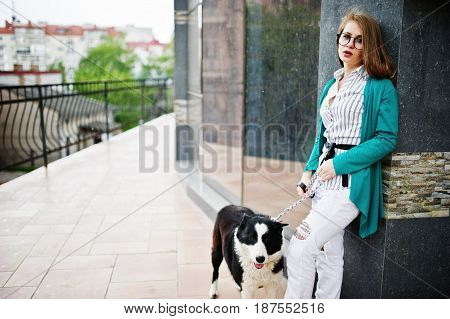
column 213, row 290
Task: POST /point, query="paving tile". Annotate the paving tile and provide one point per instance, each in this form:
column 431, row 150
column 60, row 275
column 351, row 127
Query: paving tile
column 18, row 240
column 30, row 272
column 193, row 280
column 139, row 290
column 55, row 217
column 107, row 204
column 12, row 256
column 129, row 229
column 77, row 245
column 18, row 212
column 163, row 241
column 46, row 229
column 148, row 267
column 4, row 276
column 86, row 262
column 88, row 224
column 193, row 247
column 180, row 222
column 118, row 248
column 17, row 292
column 66, row 284
column 12, row 225
column 49, row 245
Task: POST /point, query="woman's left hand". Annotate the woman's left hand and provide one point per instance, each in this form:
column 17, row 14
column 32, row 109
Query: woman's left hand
column 326, row 170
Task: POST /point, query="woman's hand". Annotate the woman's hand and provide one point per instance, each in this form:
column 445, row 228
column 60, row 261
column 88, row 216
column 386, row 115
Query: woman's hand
column 326, row 170
column 306, row 179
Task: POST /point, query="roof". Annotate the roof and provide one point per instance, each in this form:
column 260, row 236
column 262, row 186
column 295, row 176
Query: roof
column 144, row 44
column 65, row 30
column 28, row 72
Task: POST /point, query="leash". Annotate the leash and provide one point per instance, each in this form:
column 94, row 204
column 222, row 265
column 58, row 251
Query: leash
column 312, row 187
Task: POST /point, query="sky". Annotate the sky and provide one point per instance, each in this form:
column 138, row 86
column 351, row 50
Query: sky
column 157, row 14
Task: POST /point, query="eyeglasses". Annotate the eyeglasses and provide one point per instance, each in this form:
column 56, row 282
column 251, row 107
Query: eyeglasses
column 345, row 38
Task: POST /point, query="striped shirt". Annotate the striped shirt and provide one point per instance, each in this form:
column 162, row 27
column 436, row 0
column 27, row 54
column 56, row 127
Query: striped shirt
column 342, row 119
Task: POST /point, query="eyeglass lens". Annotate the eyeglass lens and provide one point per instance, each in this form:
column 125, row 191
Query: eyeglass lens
column 345, row 38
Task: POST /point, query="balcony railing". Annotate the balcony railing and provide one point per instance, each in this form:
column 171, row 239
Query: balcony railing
column 41, row 123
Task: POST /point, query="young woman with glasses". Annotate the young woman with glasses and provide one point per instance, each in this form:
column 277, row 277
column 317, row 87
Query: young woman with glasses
column 357, row 128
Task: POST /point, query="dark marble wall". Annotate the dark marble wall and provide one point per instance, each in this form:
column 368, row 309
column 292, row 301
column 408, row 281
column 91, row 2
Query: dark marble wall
column 423, row 81
column 408, row 258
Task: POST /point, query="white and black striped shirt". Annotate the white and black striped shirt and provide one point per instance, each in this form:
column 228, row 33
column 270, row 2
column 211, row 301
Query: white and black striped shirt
column 342, row 119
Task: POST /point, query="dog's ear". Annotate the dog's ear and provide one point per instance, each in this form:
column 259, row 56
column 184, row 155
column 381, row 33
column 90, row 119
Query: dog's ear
column 282, row 224
column 244, row 220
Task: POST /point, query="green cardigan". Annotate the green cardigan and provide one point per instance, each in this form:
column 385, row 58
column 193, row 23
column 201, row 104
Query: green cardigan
column 379, row 130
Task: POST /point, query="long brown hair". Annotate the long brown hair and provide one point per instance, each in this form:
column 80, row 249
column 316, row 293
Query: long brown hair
column 376, row 60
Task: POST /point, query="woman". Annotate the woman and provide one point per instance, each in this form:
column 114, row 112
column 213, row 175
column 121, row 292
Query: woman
column 357, row 128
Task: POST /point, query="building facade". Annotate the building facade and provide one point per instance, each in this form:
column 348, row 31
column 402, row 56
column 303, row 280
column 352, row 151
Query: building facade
column 34, row 47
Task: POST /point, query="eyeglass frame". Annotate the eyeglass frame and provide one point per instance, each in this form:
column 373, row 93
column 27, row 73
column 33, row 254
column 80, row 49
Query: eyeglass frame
column 338, row 36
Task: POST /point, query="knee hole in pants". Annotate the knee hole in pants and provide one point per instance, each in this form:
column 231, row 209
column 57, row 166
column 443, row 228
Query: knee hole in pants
column 303, row 232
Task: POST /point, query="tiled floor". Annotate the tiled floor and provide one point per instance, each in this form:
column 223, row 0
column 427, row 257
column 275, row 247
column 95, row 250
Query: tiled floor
column 94, row 225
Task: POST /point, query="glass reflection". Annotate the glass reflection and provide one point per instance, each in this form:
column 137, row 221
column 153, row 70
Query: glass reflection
column 282, row 53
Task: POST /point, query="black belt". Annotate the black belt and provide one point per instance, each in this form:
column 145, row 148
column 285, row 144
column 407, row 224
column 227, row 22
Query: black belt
column 331, row 153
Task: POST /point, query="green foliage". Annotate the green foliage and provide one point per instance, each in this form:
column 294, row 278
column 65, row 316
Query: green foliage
column 160, row 66
column 111, row 60
column 58, row 66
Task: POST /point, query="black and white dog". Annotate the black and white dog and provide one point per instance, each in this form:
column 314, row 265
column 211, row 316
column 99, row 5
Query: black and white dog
column 252, row 245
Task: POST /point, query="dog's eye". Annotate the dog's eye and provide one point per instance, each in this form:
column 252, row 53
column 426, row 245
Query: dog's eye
column 253, row 236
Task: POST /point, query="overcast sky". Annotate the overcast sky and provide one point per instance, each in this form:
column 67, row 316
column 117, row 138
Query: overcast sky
column 157, row 14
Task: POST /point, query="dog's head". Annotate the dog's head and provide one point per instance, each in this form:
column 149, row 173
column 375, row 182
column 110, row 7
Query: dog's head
column 261, row 239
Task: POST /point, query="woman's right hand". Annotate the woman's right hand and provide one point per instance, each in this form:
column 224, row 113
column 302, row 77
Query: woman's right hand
column 306, row 179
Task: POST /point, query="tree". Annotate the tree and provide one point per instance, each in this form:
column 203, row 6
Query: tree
column 161, row 65
column 111, row 60
column 58, row 66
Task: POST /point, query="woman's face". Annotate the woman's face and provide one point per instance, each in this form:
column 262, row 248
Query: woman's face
column 348, row 53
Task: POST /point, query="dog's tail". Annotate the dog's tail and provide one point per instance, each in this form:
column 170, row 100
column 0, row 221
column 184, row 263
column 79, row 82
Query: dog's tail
column 216, row 259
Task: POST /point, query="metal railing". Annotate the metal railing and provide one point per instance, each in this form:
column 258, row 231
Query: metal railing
column 53, row 120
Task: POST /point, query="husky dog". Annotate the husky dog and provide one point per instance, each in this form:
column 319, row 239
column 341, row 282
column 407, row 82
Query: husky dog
column 252, row 245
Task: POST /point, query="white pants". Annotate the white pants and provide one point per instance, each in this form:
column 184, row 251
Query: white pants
column 331, row 212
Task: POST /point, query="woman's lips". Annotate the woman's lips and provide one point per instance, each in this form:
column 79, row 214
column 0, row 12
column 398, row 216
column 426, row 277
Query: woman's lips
column 347, row 53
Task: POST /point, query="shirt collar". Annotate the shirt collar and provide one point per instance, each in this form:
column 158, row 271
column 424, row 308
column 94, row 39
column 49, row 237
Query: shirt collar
column 359, row 70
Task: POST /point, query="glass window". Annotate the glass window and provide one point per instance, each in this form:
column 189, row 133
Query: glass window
column 282, row 57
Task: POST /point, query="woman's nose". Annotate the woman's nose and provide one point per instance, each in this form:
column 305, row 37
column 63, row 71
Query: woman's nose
column 351, row 44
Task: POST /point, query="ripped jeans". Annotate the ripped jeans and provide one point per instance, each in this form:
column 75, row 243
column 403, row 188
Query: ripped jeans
column 318, row 244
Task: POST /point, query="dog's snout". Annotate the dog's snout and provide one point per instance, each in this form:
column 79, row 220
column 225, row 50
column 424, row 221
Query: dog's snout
column 260, row 259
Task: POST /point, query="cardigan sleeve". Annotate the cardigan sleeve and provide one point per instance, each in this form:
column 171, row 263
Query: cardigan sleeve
column 383, row 142
column 313, row 161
